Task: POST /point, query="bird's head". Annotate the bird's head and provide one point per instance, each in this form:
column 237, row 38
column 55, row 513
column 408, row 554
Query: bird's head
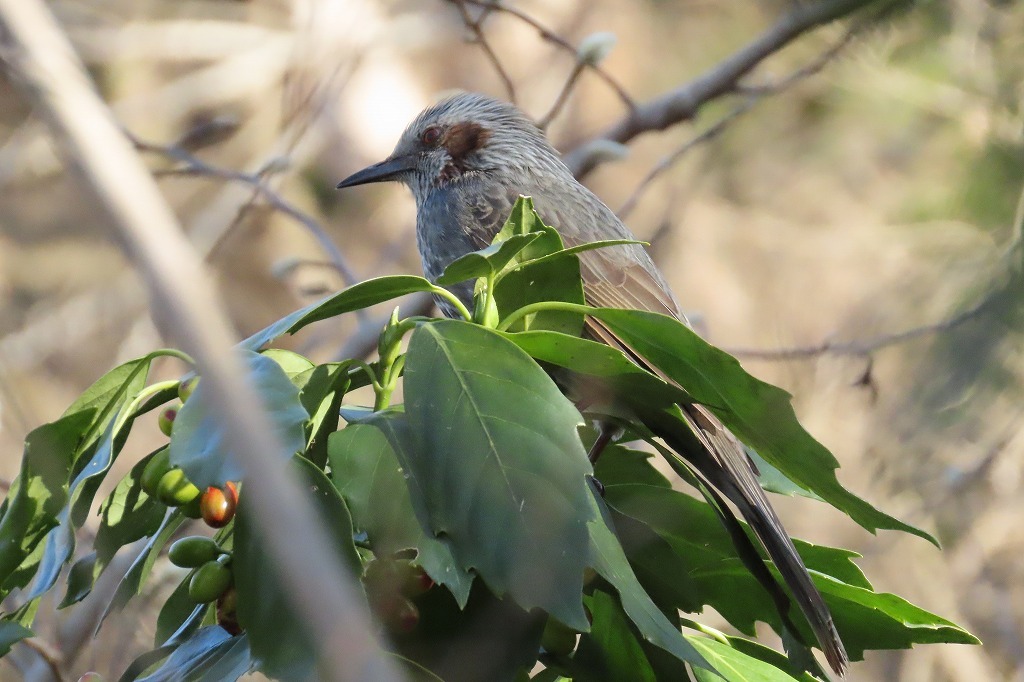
column 460, row 137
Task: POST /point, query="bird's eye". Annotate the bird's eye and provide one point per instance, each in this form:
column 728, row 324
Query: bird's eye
column 430, row 136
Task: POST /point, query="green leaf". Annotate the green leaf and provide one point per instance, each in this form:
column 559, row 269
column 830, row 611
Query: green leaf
column 609, row 560
column 356, row 297
column 210, row 654
column 486, row 262
column 758, row 413
column 37, row 497
column 502, row 469
column 292, row 363
column 128, row 514
column 535, row 273
column 591, row 358
column 281, row 646
column 580, row 248
column 733, row 665
column 105, row 396
column 80, row 580
column 322, row 390
column 522, row 219
column 879, row 620
column 197, row 442
column 610, row 651
column 367, row 472
column 179, row 609
column 140, row 569
column 10, row 634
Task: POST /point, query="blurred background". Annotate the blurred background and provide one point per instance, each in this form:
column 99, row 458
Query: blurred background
column 844, row 222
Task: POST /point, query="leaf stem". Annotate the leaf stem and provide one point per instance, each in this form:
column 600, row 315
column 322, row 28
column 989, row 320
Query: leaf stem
column 532, row 308
column 454, row 300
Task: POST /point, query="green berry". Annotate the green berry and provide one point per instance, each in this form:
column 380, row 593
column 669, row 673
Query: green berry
column 193, row 552
column 175, row 489
column 166, row 420
column 187, row 387
column 209, row 582
column 159, row 464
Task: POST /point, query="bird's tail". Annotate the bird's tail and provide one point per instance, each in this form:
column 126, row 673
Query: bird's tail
column 728, row 468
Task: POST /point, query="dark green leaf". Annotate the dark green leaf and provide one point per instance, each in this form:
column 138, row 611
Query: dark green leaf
column 502, row 469
column 128, row 514
column 10, row 634
column 546, row 278
column 140, row 569
column 367, row 472
column 610, row 651
column 197, row 442
column 758, row 413
column 80, row 580
column 107, row 393
column 486, row 262
column 37, row 497
column 178, row 610
column 281, row 646
column 486, row 639
column 609, row 560
column 583, row 356
column 549, row 280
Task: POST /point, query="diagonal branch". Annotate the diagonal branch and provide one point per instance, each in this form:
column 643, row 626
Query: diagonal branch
column 553, row 38
column 683, row 103
column 474, row 25
column 193, row 165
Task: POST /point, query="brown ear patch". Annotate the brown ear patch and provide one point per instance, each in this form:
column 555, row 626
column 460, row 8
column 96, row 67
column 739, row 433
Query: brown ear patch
column 462, row 139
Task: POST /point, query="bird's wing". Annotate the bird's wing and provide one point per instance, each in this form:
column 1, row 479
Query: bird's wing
column 625, row 277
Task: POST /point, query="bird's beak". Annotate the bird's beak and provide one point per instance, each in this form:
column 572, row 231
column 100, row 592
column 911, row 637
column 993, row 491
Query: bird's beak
column 388, row 169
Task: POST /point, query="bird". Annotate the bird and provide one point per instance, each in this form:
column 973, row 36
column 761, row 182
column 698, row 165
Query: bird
column 467, row 159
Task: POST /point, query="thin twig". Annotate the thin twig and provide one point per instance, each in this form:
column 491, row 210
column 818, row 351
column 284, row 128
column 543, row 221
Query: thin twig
column 563, row 96
column 684, row 102
column 866, row 347
column 755, row 93
column 1008, row 258
column 49, row 653
column 555, row 39
column 705, row 136
column 194, row 166
column 481, row 40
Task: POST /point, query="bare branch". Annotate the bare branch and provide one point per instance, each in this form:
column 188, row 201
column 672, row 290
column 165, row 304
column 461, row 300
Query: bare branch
column 474, row 25
column 563, row 96
column 865, row 347
column 49, row 653
column 320, row 586
column 1010, row 259
column 755, row 93
column 705, row 136
column 555, row 39
column 683, row 103
column 193, row 165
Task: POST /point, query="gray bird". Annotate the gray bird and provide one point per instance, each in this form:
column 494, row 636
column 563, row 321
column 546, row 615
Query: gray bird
column 467, row 159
